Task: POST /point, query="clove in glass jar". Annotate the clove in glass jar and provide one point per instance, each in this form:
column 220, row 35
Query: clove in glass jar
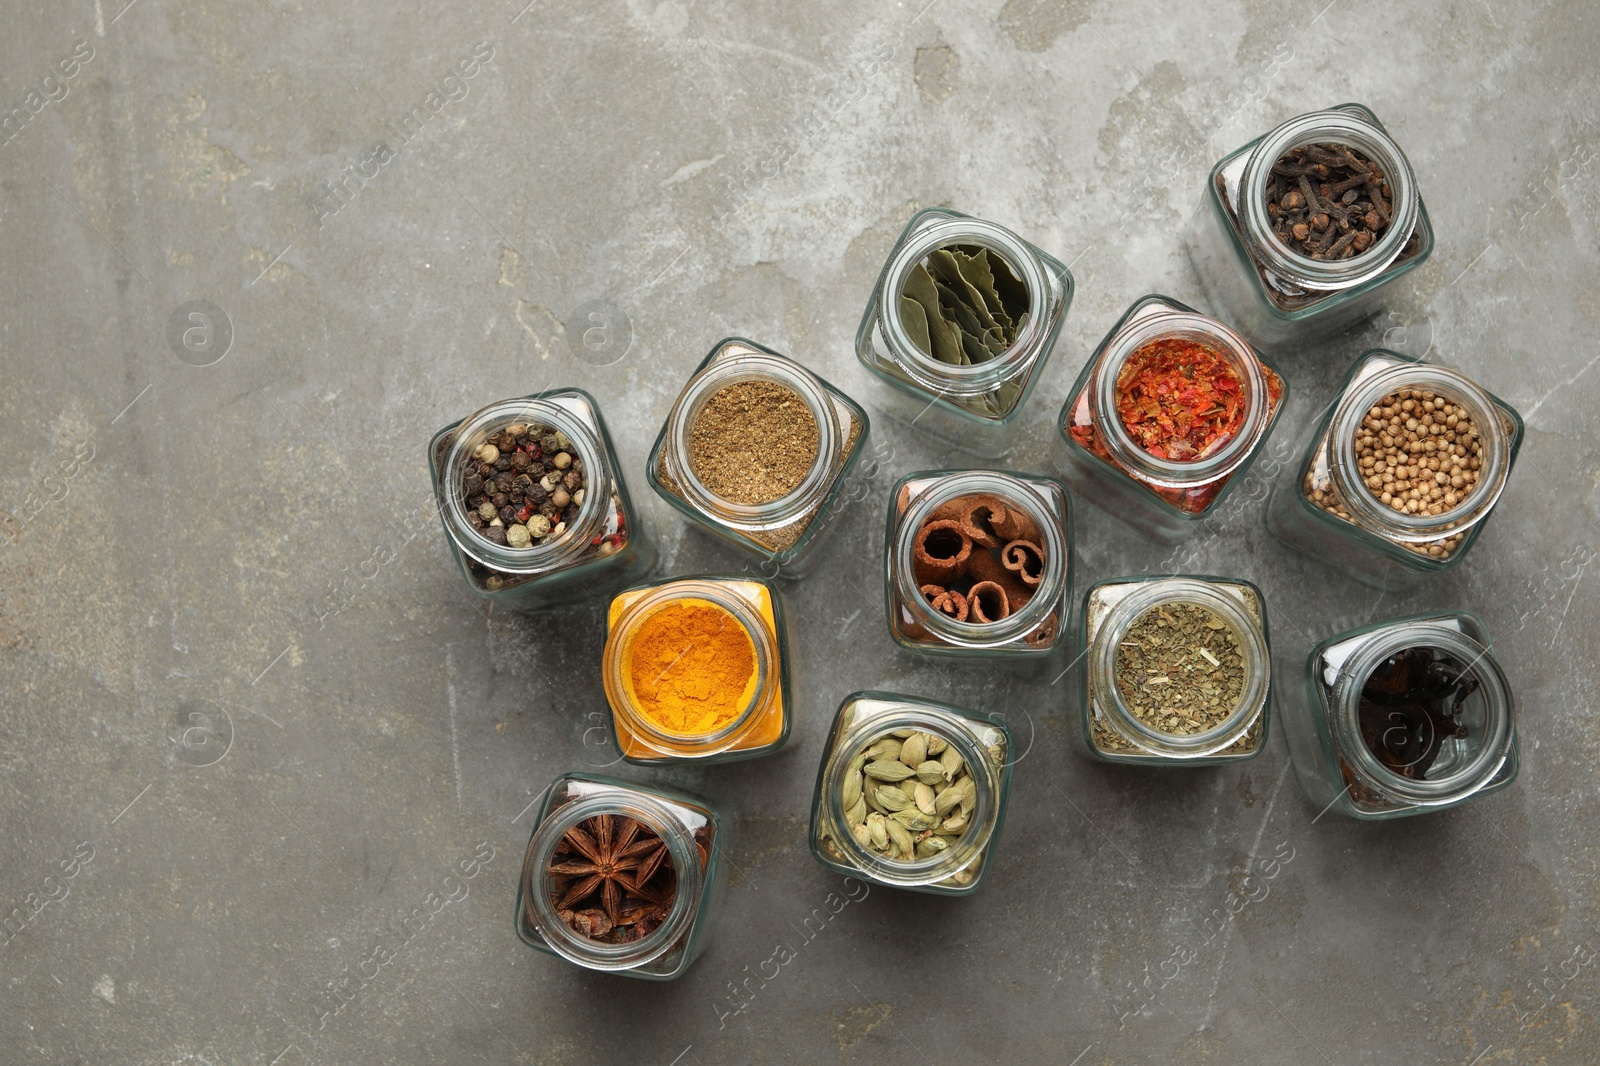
column 759, row 726
column 1111, row 731
column 984, row 743
column 1038, row 627
column 1375, row 760
column 599, row 550
column 1328, row 508
column 1277, row 296
column 694, row 833
column 972, row 405
column 1096, row 456
column 783, row 531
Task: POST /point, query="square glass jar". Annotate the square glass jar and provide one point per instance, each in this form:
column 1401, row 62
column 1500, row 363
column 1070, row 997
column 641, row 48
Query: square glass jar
column 1323, row 506
column 600, row 550
column 1111, row 731
column 972, row 406
column 1328, row 719
column 1097, row 457
column 982, row 745
column 783, row 532
column 973, row 528
column 1276, row 296
column 695, row 835
column 757, row 720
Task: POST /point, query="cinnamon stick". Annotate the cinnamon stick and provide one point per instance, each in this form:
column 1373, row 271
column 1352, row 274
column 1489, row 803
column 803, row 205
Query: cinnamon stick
column 987, row 602
column 1025, row 559
column 940, row 553
column 946, row 601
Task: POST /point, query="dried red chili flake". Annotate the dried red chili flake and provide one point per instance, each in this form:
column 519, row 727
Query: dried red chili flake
column 1178, row 399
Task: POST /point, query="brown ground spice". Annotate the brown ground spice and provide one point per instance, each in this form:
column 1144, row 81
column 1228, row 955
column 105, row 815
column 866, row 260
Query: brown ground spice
column 753, row 442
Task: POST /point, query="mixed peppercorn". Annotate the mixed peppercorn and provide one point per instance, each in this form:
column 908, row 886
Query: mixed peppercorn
column 523, row 485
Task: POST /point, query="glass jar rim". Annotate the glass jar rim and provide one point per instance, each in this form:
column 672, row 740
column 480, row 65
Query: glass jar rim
column 1161, row 325
column 755, row 364
column 924, row 369
column 1122, row 615
column 1354, row 130
column 955, row 732
column 1499, row 710
column 452, row 486
column 1492, row 474
column 568, row 942
column 1012, row 490
column 618, row 643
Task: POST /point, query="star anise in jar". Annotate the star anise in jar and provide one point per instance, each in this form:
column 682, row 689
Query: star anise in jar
column 612, row 879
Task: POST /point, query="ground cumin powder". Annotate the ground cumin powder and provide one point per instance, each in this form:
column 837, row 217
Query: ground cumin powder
column 690, row 668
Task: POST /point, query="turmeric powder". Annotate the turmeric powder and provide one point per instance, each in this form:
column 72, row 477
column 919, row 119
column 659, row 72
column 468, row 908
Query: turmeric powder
column 690, row 668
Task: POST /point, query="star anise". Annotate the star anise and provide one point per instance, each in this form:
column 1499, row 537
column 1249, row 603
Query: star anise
column 622, row 862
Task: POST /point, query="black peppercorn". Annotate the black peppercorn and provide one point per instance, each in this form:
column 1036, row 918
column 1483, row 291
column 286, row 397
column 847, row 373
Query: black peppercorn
column 474, row 485
column 496, row 534
column 548, row 444
column 499, row 500
column 503, row 463
column 523, row 485
column 508, row 514
column 549, row 510
column 573, row 481
column 484, row 469
column 520, row 460
column 476, row 519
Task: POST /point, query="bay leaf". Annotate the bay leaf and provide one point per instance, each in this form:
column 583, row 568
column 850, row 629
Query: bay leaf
column 921, row 287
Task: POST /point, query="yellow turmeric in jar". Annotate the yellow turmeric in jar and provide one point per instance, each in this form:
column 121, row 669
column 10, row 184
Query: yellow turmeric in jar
column 690, row 668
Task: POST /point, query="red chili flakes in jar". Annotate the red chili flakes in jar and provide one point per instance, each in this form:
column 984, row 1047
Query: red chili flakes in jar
column 1179, row 400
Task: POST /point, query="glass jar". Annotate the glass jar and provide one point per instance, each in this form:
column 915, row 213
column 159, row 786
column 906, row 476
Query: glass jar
column 1101, row 461
column 1037, row 513
column 1326, row 509
column 971, row 405
column 1328, row 724
column 1112, row 732
column 601, row 550
column 695, row 836
column 785, row 530
column 984, row 745
column 1280, row 297
column 761, row 724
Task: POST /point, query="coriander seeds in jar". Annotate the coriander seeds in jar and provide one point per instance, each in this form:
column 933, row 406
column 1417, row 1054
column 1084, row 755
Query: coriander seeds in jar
column 1300, row 232
column 979, row 563
column 620, row 877
column 911, row 793
column 1177, row 671
column 959, row 327
column 756, row 450
column 1401, row 475
column 534, row 508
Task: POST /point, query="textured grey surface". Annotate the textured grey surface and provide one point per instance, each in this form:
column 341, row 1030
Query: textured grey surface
column 710, row 169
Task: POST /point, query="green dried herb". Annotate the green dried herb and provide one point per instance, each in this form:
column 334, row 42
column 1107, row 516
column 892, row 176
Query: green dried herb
column 971, row 302
column 1180, row 669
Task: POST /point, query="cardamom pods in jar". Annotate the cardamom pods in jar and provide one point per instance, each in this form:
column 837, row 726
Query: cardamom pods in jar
column 908, row 795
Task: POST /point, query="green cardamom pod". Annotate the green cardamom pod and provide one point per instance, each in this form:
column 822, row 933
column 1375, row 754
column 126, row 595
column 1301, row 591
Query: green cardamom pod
column 950, row 760
column 936, row 745
column 857, row 814
column 915, row 749
column 887, row 748
column 878, row 831
column 862, row 834
column 852, row 789
column 912, row 818
column 923, row 798
column 949, row 799
column 930, row 772
column 955, row 823
column 931, row 847
column 903, row 733
column 891, row 799
column 902, row 839
column 997, row 752
column 892, row 770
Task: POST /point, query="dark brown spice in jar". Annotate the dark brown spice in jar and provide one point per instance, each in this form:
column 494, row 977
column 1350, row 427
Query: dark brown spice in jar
column 753, row 442
column 1329, row 201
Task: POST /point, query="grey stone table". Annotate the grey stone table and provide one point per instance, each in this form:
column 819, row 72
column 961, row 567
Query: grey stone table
column 196, row 512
